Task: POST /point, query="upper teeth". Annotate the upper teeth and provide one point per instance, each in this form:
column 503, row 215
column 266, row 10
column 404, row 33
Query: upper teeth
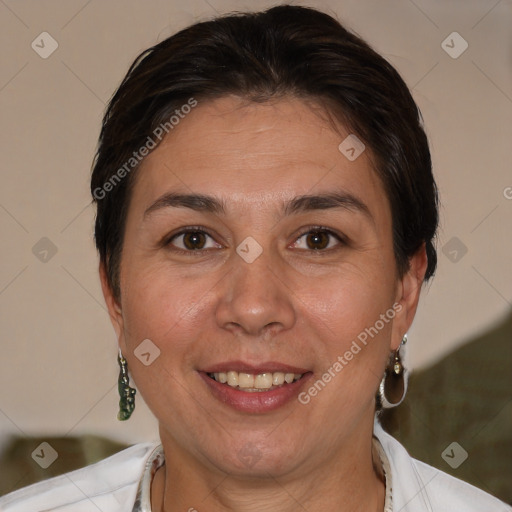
column 249, row 381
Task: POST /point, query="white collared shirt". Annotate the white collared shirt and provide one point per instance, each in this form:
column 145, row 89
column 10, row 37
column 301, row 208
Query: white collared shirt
column 117, row 484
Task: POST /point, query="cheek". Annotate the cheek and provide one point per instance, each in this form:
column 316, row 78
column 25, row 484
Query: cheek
column 159, row 308
column 353, row 332
column 159, row 301
column 348, row 302
column 351, row 316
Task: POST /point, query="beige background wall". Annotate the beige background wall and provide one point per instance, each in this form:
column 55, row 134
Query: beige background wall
column 58, row 366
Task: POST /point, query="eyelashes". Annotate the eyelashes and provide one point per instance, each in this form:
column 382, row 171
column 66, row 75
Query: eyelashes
column 318, row 239
column 197, row 240
column 193, row 239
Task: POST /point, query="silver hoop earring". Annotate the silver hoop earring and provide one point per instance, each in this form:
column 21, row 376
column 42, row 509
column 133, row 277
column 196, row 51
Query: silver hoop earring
column 393, row 386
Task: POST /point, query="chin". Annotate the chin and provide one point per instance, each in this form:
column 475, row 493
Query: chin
column 256, row 458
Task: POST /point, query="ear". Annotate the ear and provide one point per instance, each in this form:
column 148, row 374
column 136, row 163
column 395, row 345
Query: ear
column 114, row 308
column 408, row 295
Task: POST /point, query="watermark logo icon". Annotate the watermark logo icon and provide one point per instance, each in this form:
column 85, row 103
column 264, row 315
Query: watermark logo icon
column 146, row 352
column 44, row 250
column 352, row 147
column 454, row 249
column 249, row 454
column 45, row 455
column 454, row 45
column 44, row 45
column 454, row 455
column 507, row 192
column 249, row 250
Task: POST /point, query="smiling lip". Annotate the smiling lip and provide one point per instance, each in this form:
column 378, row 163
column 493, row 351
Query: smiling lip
column 255, row 402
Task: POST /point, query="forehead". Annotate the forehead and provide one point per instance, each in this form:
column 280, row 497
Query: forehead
column 252, row 153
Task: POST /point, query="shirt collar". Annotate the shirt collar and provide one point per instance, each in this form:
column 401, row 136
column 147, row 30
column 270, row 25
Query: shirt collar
column 143, row 497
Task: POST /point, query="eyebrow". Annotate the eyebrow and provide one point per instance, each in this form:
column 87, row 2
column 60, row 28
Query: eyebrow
column 343, row 200
column 197, row 202
column 300, row 204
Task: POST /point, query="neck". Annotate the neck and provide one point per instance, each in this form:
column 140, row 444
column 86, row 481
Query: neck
column 349, row 480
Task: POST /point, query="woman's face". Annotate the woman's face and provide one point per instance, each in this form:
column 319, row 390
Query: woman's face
column 253, row 245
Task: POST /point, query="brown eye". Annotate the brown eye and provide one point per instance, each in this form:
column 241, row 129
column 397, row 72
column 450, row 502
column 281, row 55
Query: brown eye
column 317, row 240
column 193, row 240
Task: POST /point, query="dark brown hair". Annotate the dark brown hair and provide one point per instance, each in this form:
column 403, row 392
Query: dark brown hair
column 284, row 51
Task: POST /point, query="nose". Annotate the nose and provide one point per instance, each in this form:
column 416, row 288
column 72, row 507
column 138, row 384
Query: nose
column 255, row 299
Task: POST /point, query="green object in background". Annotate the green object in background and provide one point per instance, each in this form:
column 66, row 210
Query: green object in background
column 25, row 460
column 457, row 415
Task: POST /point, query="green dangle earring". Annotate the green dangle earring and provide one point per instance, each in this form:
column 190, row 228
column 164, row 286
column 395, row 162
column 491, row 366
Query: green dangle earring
column 126, row 393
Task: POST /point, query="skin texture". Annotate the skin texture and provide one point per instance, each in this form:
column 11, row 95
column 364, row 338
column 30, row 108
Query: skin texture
column 293, row 304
